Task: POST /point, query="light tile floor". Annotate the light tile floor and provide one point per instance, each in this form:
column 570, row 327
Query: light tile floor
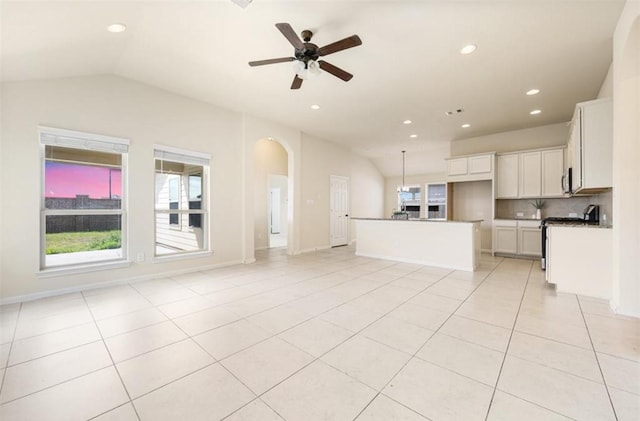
column 322, row 336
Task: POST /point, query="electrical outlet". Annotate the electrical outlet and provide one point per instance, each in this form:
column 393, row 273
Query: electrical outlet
column 140, row 257
column 520, row 214
column 573, row 215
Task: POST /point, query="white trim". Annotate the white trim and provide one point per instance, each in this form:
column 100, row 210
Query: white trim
column 107, row 284
column 312, row 249
column 54, row 271
column 82, row 140
column 185, row 156
column 181, row 256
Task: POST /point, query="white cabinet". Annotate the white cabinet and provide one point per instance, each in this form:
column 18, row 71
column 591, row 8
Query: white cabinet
column 529, row 174
column 470, row 168
column 479, row 164
column 529, row 238
column 580, row 260
column 505, row 237
column 591, row 143
column 457, row 166
column 552, row 172
column 517, row 237
column 507, row 176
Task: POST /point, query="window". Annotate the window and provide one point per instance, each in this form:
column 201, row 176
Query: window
column 83, row 198
column 180, row 205
column 409, row 200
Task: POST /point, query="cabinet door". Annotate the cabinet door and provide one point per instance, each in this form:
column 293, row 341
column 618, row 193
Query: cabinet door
column 479, row 164
column 507, row 178
column 552, row 171
column 530, row 241
column 457, row 166
column 530, row 175
column 506, row 240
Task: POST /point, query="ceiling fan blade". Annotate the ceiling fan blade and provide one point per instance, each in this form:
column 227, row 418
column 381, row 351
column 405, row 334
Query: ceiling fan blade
column 343, row 44
column 270, row 61
column 290, row 35
column 297, row 82
column 334, row 70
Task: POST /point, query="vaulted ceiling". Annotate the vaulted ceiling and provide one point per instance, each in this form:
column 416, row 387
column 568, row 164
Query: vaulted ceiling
column 409, row 66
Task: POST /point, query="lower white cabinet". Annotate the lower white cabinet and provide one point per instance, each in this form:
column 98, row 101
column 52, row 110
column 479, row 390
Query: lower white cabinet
column 517, row 237
column 529, row 238
column 580, row 260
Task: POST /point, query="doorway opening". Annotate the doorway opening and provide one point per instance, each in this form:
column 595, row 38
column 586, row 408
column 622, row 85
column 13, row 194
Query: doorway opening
column 271, row 195
column 278, row 215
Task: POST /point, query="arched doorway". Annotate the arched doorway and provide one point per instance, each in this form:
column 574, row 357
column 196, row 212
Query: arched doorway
column 271, row 194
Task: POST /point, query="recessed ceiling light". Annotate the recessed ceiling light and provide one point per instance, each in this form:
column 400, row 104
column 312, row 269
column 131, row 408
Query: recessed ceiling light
column 468, row 49
column 117, row 27
column 413, row 136
column 315, row 107
column 533, row 91
column 466, row 125
column 534, row 112
column 407, row 122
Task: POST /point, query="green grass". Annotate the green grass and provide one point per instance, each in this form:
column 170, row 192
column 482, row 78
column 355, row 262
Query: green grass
column 72, row 242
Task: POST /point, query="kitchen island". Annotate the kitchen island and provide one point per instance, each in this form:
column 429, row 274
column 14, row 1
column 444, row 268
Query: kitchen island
column 447, row 244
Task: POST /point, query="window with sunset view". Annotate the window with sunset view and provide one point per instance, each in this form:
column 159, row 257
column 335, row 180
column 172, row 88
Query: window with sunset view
column 82, row 203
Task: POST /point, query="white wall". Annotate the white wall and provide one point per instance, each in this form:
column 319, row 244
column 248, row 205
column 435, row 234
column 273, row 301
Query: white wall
column 516, row 140
column 147, row 116
column 472, row 200
column 112, row 106
column 626, row 156
column 321, row 159
column 269, row 157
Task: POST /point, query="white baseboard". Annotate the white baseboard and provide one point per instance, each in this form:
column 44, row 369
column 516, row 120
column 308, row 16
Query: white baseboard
column 98, row 285
column 313, row 249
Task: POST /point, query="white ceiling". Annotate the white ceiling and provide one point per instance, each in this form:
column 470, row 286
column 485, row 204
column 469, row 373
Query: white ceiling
column 408, row 67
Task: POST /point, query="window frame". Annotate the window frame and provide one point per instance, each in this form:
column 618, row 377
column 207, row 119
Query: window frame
column 49, row 136
column 183, row 156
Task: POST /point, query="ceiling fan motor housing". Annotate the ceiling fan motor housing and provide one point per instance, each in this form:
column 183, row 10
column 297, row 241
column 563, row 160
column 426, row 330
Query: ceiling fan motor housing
column 309, row 52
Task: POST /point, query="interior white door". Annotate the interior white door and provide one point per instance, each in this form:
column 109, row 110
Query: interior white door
column 275, row 211
column 339, row 210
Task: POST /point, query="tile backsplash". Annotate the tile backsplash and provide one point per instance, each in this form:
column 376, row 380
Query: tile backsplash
column 509, row 208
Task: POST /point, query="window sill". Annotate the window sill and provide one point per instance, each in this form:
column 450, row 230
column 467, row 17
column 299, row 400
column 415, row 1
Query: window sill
column 92, row 267
column 182, row 256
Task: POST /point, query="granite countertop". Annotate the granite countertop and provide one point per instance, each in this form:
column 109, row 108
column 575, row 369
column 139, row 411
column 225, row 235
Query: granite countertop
column 521, row 218
column 416, row 220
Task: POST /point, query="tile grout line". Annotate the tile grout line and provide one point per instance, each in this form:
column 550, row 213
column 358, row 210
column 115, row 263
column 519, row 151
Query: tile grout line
column 595, row 354
column 6, row 364
column 506, row 351
column 428, row 339
column 112, row 361
column 335, row 346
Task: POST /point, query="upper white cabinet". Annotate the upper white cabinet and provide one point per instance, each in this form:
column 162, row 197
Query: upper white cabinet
column 530, row 174
column 591, row 146
column 507, row 176
column 470, row 168
column 552, row 172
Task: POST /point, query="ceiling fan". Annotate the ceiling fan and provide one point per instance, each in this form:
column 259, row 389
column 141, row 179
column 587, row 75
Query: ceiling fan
column 307, row 55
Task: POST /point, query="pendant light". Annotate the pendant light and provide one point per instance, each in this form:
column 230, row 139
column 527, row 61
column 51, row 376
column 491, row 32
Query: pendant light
column 403, row 187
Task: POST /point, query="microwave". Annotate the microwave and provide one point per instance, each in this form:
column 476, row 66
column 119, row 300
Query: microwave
column 567, row 181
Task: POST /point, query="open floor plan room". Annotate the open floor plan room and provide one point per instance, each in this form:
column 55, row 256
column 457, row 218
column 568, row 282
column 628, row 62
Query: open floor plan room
column 322, row 336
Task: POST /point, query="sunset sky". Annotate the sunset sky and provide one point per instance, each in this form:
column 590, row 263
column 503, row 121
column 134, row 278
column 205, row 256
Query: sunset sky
column 68, row 180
